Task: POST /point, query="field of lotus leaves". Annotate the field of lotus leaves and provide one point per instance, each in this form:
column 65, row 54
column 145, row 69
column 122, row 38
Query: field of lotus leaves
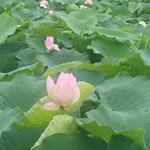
column 74, row 74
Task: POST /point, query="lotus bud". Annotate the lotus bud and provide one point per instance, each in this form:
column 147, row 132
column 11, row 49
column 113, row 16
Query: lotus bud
column 51, row 12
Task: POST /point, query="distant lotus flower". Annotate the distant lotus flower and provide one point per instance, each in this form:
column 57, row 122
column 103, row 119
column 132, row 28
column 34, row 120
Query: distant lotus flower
column 82, row 6
column 64, row 93
column 44, row 3
column 88, row 2
column 142, row 23
column 49, row 44
column 51, row 12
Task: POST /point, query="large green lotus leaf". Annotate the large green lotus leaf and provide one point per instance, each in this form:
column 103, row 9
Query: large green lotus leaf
column 6, row 66
column 68, row 2
column 44, row 29
column 125, row 107
column 27, row 69
column 60, row 124
column 64, row 56
column 89, row 76
column 11, row 48
column 78, row 20
column 23, row 91
column 30, row 4
column 27, row 56
column 116, row 34
column 64, row 39
column 19, row 140
column 103, row 17
column 111, row 22
column 37, row 43
column 38, row 117
column 84, row 42
column 110, row 69
column 20, row 36
column 106, row 4
column 73, row 142
column 8, row 116
column 134, row 65
column 7, row 27
column 112, row 48
column 78, row 26
column 3, row 3
column 120, row 10
column 90, row 104
column 122, row 143
column 145, row 56
column 9, row 52
column 133, row 6
column 105, row 132
column 83, row 13
column 22, row 14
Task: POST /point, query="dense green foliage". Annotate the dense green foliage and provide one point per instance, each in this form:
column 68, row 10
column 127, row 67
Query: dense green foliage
column 106, row 49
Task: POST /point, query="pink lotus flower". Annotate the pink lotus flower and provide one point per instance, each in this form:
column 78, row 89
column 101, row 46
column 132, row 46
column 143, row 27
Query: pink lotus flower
column 49, row 44
column 88, row 2
column 51, row 12
column 44, row 3
column 64, row 93
column 142, row 23
column 82, row 6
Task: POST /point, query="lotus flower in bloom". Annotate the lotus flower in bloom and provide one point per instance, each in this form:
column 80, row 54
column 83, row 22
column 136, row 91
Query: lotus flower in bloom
column 49, row 44
column 143, row 23
column 82, row 6
column 88, row 2
column 64, row 93
column 51, row 12
column 44, row 3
